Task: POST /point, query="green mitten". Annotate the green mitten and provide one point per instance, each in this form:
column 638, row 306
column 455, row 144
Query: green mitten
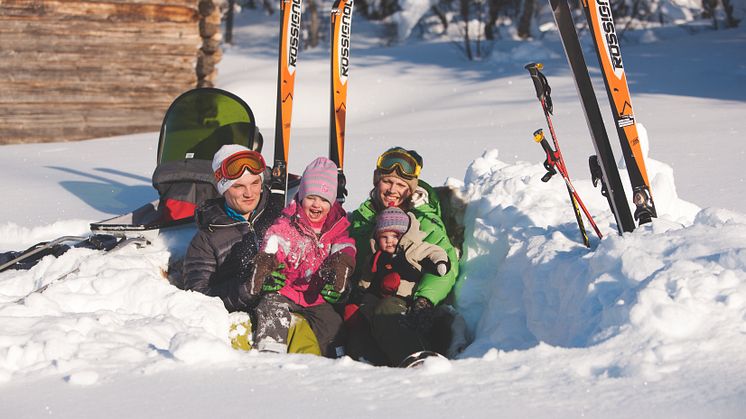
column 275, row 280
column 330, row 295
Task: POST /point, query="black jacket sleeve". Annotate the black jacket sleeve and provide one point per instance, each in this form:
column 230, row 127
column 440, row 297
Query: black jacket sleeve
column 200, row 265
column 216, row 268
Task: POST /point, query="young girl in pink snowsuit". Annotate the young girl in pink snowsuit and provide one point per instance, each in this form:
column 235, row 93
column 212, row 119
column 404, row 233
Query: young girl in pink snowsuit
column 306, row 259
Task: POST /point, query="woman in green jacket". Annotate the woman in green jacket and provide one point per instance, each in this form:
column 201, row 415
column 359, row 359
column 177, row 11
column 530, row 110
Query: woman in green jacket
column 385, row 331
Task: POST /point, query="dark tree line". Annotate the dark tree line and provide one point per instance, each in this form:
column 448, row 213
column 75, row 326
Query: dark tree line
column 479, row 23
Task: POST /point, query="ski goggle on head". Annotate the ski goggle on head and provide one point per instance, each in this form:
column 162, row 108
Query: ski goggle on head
column 234, row 166
column 401, row 161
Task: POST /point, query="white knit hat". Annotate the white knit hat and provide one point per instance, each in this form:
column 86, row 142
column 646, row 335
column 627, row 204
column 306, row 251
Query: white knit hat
column 223, row 153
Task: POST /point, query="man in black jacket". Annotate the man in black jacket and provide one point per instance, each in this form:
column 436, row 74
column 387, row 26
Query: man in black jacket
column 230, row 229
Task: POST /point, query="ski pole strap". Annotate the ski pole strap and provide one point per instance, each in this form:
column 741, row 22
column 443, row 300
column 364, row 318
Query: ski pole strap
column 543, row 91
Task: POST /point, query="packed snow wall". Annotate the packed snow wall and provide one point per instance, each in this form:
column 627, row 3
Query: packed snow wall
column 527, row 278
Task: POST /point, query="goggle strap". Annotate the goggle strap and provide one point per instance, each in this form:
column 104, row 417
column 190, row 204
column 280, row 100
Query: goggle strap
column 396, row 167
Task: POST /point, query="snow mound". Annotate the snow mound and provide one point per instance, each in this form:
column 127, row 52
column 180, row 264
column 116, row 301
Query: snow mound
column 651, row 296
column 105, row 313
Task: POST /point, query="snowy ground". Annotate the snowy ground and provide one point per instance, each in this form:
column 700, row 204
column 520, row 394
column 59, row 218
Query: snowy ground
column 652, row 324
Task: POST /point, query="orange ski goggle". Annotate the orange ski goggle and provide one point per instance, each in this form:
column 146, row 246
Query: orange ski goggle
column 401, row 161
column 234, row 166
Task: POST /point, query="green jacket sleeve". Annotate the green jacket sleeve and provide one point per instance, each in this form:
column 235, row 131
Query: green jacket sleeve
column 362, row 224
column 435, row 288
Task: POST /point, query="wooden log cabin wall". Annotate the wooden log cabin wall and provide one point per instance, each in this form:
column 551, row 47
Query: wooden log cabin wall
column 81, row 69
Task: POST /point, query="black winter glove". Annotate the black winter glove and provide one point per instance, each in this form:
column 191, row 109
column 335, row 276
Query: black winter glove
column 265, row 267
column 420, row 315
column 336, row 270
column 275, row 281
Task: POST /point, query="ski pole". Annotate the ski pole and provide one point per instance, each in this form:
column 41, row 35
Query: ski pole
column 555, row 159
column 551, row 164
column 554, row 156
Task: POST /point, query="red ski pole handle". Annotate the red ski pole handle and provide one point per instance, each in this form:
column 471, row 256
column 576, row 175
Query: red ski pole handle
column 551, row 162
column 541, row 139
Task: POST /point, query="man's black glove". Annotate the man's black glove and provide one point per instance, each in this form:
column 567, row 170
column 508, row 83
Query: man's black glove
column 420, row 315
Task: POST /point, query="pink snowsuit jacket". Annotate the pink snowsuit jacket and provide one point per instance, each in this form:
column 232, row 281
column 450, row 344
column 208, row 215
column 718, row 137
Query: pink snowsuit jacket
column 296, row 245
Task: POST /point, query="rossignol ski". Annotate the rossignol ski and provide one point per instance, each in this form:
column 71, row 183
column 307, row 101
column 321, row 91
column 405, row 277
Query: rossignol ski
column 555, row 162
column 606, row 41
column 604, row 159
column 290, row 13
column 341, row 25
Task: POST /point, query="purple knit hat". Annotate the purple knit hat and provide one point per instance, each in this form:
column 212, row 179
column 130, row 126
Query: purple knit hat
column 319, row 178
column 392, row 219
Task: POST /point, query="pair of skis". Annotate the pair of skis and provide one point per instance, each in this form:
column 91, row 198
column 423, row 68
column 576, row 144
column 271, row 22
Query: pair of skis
column 290, row 30
column 602, row 28
column 603, row 166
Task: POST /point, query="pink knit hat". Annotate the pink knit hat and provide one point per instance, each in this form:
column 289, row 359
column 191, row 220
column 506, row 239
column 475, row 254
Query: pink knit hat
column 392, row 219
column 320, row 179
